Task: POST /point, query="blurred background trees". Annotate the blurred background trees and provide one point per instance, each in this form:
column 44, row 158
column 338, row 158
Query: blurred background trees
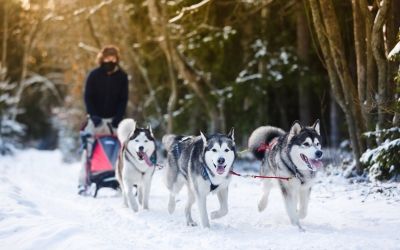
column 205, row 65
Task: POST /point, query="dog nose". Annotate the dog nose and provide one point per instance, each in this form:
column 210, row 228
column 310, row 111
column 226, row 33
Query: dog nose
column 141, row 148
column 318, row 153
column 221, row 160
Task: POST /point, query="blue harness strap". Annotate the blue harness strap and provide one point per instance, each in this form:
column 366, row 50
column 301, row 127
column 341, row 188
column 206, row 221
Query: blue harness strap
column 153, row 158
column 176, row 150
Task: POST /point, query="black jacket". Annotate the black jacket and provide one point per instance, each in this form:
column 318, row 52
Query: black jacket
column 106, row 95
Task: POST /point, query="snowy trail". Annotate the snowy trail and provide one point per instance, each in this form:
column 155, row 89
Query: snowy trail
column 39, row 209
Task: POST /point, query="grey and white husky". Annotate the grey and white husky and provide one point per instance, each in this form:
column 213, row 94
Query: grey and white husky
column 294, row 154
column 135, row 163
column 202, row 163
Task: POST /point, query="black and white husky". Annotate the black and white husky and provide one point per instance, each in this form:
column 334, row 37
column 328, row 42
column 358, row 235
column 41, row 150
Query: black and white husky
column 202, row 164
column 135, row 167
column 295, row 154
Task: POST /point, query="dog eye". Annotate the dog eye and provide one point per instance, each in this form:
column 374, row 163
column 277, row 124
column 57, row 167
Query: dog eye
column 146, row 141
column 226, row 150
column 214, row 150
column 306, row 144
column 317, row 143
column 136, row 140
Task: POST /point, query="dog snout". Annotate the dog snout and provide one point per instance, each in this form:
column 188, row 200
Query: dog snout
column 141, row 148
column 221, row 160
column 318, row 154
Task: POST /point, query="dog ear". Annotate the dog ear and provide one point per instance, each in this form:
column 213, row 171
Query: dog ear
column 316, row 127
column 150, row 129
column 133, row 126
column 204, row 138
column 133, row 130
column 231, row 134
column 294, row 130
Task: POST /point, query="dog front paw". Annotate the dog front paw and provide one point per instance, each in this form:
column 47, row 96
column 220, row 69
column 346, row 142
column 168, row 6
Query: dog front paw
column 302, row 214
column 171, row 206
column 217, row 214
column 191, row 224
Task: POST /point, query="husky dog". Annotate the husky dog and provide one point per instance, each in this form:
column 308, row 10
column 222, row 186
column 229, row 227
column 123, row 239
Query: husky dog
column 135, row 163
column 296, row 154
column 203, row 164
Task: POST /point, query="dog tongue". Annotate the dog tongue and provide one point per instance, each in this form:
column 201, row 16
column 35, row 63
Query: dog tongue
column 316, row 163
column 220, row 169
column 146, row 159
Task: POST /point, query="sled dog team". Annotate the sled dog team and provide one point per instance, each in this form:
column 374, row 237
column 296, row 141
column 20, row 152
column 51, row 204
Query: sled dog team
column 203, row 164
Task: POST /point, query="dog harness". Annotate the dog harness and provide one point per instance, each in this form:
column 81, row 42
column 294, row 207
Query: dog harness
column 206, row 176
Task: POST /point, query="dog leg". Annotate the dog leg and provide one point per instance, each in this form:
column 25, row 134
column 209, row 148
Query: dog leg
column 174, row 190
column 223, row 202
column 304, row 199
column 124, row 199
column 140, row 194
column 188, row 209
column 202, row 205
column 146, row 194
column 171, row 203
column 266, row 188
column 130, row 197
column 291, row 199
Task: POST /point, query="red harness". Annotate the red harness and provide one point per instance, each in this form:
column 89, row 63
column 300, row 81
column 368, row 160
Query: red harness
column 265, row 147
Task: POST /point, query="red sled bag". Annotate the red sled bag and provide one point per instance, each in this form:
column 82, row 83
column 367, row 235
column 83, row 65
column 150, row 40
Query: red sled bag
column 101, row 163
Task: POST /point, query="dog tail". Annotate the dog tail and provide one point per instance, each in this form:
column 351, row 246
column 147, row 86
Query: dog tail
column 168, row 140
column 125, row 129
column 260, row 136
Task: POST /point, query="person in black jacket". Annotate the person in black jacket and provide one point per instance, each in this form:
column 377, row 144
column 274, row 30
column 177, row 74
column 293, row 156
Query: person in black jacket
column 106, row 97
column 106, row 89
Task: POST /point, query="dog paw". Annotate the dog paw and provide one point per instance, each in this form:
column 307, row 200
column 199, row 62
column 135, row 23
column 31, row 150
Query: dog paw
column 171, row 206
column 302, row 230
column 191, row 224
column 134, row 208
column 217, row 214
column 261, row 206
column 302, row 214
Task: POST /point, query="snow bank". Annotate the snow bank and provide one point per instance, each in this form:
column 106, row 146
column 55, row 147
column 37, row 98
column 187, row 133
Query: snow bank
column 39, row 209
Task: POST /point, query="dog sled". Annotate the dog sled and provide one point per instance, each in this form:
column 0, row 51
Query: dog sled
column 100, row 161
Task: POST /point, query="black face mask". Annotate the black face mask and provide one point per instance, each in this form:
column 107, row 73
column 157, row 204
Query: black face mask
column 108, row 66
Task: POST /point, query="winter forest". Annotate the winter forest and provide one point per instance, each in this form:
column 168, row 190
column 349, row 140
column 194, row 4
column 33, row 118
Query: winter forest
column 203, row 65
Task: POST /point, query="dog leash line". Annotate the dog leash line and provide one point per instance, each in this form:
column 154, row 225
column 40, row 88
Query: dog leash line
column 260, row 176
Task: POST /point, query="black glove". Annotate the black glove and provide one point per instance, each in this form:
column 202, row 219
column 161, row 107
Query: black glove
column 115, row 121
column 97, row 121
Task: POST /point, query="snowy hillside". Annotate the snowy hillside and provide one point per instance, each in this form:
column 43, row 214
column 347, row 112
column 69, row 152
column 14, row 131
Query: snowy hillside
column 39, row 209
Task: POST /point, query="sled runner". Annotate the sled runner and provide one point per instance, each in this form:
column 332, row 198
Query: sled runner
column 101, row 162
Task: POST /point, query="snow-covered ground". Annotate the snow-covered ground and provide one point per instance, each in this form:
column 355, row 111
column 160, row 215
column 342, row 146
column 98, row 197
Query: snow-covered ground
column 39, row 209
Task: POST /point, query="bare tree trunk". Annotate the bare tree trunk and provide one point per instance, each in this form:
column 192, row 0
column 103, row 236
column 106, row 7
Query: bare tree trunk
column 159, row 23
column 4, row 42
column 334, row 121
column 342, row 67
column 361, row 57
column 150, row 88
column 29, row 42
column 303, row 41
column 371, row 66
column 341, row 82
column 93, row 33
column 378, row 51
column 392, row 30
column 136, row 60
column 194, row 80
